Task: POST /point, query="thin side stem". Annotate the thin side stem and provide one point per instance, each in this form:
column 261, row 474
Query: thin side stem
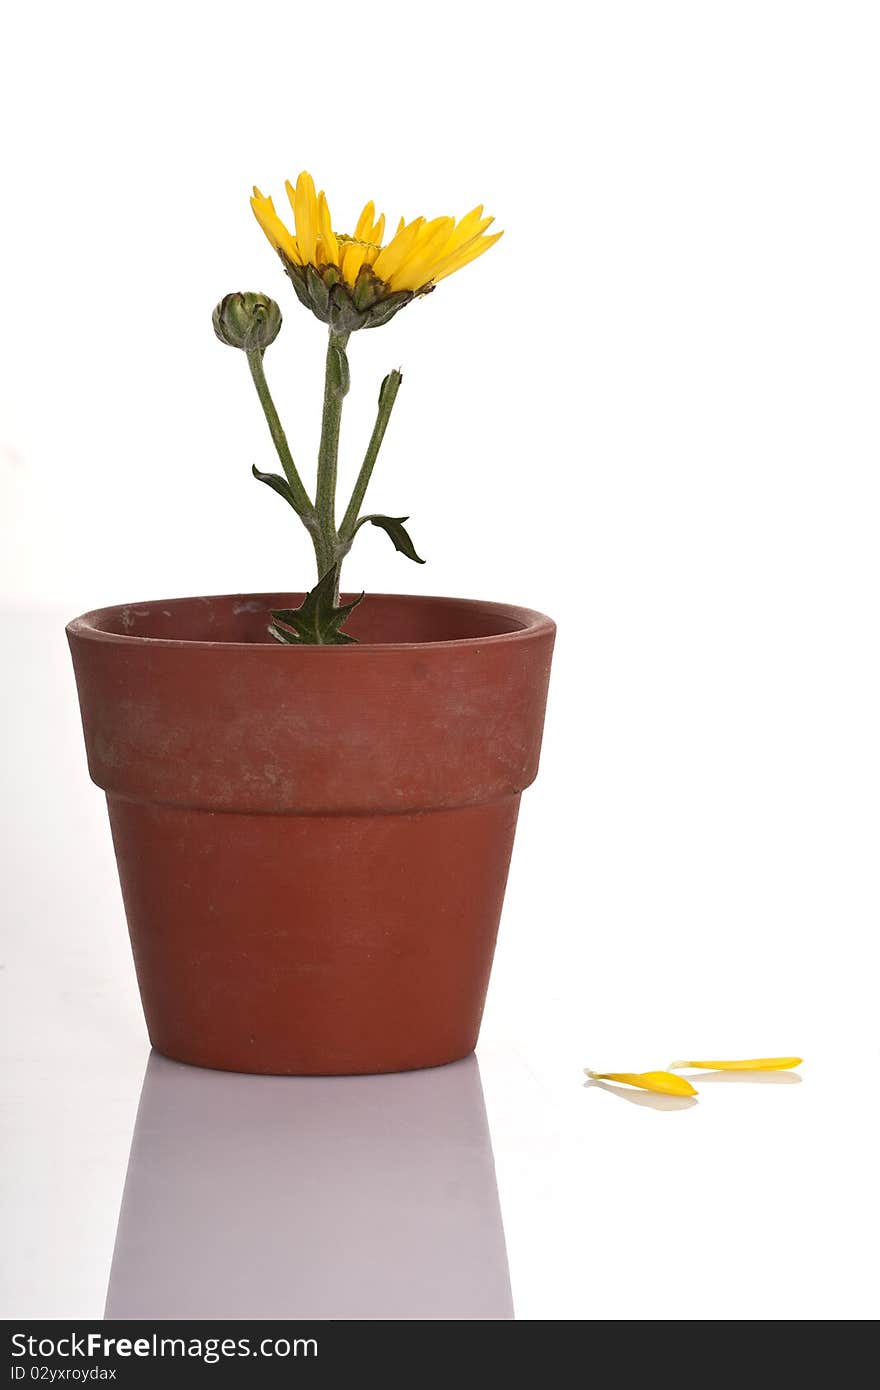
column 303, row 502
column 387, row 397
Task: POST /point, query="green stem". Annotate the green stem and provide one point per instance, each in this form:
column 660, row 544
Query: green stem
column 387, row 397
column 279, row 439
column 335, row 390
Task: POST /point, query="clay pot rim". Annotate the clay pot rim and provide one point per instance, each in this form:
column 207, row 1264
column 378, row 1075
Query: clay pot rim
column 531, row 624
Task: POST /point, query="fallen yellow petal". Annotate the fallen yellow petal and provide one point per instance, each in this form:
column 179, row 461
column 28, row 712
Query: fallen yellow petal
column 661, row 1081
column 751, row 1064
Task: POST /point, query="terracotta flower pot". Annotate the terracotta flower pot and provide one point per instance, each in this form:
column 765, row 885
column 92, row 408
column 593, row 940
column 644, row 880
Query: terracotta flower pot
column 313, row 842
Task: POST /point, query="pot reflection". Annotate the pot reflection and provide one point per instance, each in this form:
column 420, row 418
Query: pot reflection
column 365, row 1197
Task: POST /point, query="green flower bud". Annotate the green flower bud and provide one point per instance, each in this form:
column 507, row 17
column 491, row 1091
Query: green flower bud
column 247, row 321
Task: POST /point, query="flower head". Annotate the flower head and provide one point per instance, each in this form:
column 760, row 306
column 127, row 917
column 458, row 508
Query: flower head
column 354, row 281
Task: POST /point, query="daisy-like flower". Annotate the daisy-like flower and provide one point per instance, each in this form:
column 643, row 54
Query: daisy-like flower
column 353, row 282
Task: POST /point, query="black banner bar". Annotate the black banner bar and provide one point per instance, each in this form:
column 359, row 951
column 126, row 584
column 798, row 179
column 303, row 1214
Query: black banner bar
column 254, row 1353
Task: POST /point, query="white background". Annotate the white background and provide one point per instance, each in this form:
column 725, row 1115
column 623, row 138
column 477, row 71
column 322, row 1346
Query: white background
column 650, row 411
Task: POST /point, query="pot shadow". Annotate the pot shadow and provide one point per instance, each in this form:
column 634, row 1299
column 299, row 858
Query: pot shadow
column 745, row 1078
column 352, row 1197
column 651, row 1100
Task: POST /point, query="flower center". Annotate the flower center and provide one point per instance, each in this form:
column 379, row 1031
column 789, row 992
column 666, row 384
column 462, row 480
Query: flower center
column 356, row 241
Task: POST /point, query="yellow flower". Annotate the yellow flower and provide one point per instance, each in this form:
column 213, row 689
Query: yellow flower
column 661, row 1081
column 752, row 1064
column 354, row 281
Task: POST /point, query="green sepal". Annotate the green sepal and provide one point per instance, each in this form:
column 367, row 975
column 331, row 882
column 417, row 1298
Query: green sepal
column 387, row 308
column 343, row 316
column 296, row 276
column 367, row 288
column 277, row 484
column 319, row 292
column 330, row 299
column 394, row 528
column 318, row 619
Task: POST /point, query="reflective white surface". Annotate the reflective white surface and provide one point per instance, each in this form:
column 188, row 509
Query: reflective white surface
column 310, row 1197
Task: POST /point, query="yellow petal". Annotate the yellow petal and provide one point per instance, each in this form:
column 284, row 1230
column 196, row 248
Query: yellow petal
column 464, row 242
column 392, row 256
column 328, row 246
column 663, row 1082
column 305, row 211
column 275, row 230
column 428, row 250
column 472, row 224
column 751, row 1064
column 464, row 234
column 354, row 253
column 469, row 252
column 377, row 231
column 364, row 225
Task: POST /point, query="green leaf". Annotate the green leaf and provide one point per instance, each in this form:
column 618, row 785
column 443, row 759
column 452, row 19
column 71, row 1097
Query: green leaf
column 393, row 526
column 281, row 634
column 277, row 484
column 318, row 619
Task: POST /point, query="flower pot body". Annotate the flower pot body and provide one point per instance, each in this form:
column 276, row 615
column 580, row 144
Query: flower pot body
column 313, row 842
